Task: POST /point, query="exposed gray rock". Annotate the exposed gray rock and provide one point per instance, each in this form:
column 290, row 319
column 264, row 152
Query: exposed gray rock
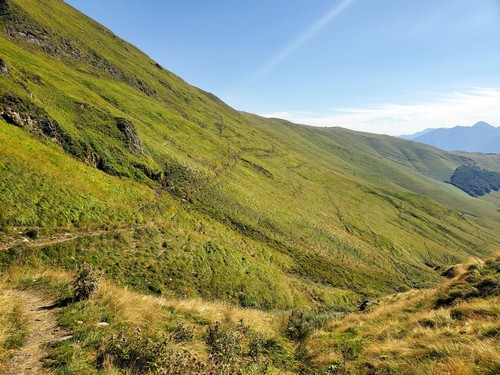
column 364, row 305
column 23, row 113
column 4, row 7
column 131, row 138
column 4, row 69
column 63, row 338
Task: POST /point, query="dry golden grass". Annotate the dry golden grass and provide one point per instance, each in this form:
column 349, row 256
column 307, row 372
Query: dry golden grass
column 12, row 319
column 153, row 313
column 130, row 307
column 406, row 333
column 260, row 321
column 14, row 274
column 145, row 310
column 401, row 333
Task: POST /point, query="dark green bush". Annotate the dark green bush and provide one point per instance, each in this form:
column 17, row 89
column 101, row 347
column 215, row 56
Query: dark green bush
column 32, row 233
column 475, row 181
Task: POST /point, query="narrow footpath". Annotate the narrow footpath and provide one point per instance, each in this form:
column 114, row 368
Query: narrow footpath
column 43, row 330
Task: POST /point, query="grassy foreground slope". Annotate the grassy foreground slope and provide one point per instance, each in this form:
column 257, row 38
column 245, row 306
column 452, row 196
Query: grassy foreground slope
column 451, row 329
column 171, row 191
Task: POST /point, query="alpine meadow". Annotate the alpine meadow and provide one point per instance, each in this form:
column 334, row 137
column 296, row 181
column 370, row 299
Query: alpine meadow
column 158, row 230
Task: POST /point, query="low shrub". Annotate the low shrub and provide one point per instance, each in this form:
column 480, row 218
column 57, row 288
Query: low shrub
column 182, row 334
column 298, row 327
column 85, row 283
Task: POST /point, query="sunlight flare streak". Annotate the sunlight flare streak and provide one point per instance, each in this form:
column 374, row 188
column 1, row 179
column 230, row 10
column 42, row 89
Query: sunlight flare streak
column 302, row 39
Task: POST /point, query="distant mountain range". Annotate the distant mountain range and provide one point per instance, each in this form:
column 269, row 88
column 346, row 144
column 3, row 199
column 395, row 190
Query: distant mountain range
column 482, row 137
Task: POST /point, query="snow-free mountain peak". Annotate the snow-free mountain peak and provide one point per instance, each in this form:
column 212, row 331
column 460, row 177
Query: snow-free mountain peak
column 481, row 137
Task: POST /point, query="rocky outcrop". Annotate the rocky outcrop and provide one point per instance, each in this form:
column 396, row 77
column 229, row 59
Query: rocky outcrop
column 4, row 8
column 23, row 113
column 130, row 134
column 21, row 27
column 365, row 305
column 4, row 69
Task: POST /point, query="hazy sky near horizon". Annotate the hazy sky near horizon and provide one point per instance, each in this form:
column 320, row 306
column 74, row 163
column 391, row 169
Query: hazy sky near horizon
column 382, row 66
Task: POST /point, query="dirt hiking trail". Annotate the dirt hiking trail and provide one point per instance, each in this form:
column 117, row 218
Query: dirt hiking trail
column 43, row 330
column 66, row 237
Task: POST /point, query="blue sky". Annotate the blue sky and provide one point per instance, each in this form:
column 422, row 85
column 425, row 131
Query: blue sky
column 383, row 66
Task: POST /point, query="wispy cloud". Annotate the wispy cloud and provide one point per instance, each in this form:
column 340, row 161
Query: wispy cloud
column 465, row 107
column 302, row 39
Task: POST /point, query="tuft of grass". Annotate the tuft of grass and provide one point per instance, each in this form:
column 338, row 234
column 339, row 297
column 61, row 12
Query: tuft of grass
column 13, row 323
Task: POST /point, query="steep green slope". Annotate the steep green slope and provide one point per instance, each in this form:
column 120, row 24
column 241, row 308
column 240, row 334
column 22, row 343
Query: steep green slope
column 170, row 190
column 401, row 159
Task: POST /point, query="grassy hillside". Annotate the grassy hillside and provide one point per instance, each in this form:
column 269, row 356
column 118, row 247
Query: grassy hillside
column 451, row 329
column 107, row 157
